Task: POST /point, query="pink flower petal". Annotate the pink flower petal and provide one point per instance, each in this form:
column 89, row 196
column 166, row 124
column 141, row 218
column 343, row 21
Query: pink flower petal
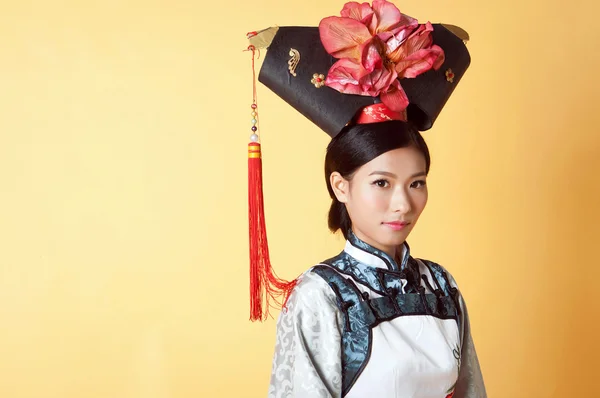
column 441, row 57
column 421, row 37
column 344, row 77
column 378, row 81
column 407, row 20
column 395, row 98
column 404, row 28
column 343, row 37
column 388, row 17
column 361, row 12
column 397, row 37
column 420, row 62
column 418, row 39
column 417, row 54
column 371, row 55
column 349, row 77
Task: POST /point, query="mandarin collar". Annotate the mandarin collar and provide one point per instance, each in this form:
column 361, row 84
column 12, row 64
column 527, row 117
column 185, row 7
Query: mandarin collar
column 371, row 256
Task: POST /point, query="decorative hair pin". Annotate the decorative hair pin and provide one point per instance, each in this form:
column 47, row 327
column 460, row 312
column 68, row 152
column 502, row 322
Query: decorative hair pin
column 293, row 62
column 318, row 79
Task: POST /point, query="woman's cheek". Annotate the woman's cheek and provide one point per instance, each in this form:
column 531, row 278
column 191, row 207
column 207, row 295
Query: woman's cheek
column 375, row 198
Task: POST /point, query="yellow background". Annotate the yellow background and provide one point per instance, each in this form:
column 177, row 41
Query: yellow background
column 123, row 231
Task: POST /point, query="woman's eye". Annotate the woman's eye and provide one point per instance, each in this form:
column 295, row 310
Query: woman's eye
column 381, row 183
column 418, row 184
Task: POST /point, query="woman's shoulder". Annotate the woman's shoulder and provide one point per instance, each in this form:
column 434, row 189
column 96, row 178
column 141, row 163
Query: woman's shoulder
column 312, row 297
column 437, row 271
column 311, row 287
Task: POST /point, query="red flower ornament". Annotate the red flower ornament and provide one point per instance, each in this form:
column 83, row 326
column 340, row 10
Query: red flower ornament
column 375, row 46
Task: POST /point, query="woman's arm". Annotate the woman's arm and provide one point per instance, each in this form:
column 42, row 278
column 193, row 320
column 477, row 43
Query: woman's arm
column 470, row 380
column 307, row 361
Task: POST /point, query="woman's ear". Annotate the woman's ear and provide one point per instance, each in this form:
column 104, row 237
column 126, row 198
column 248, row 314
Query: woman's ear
column 340, row 186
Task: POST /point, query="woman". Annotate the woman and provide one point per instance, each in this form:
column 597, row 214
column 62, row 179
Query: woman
column 372, row 321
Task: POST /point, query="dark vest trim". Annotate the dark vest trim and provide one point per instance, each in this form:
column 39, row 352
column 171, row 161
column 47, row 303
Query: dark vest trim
column 361, row 315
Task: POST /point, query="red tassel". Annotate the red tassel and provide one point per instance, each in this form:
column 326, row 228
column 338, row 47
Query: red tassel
column 266, row 287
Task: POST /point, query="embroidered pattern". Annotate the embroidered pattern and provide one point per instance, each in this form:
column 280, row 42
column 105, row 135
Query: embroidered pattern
column 376, row 113
column 377, row 279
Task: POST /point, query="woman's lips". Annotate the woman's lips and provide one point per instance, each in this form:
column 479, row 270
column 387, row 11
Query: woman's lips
column 396, row 225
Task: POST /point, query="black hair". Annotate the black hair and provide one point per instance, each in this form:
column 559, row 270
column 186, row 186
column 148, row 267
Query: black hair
column 357, row 145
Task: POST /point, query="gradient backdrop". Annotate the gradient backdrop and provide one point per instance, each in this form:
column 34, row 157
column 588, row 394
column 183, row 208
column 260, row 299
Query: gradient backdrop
column 123, row 205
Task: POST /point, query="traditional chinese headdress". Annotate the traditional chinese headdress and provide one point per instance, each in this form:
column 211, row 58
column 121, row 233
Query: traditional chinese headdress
column 371, row 64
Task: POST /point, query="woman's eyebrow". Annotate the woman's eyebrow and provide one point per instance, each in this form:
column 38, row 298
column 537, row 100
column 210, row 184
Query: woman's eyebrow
column 387, row 173
column 384, row 173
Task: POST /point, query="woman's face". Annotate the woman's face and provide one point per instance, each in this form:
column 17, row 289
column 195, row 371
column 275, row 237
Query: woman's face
column 385, row 197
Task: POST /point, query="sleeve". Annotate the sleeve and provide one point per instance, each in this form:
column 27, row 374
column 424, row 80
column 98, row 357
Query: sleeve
column 470, row 379
column 308, row 350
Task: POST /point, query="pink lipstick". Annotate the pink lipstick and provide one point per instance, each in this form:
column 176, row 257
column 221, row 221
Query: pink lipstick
column 396, row 225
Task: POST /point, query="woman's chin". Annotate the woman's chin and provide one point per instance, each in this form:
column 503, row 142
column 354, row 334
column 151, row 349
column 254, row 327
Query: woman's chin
column 393, row 239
